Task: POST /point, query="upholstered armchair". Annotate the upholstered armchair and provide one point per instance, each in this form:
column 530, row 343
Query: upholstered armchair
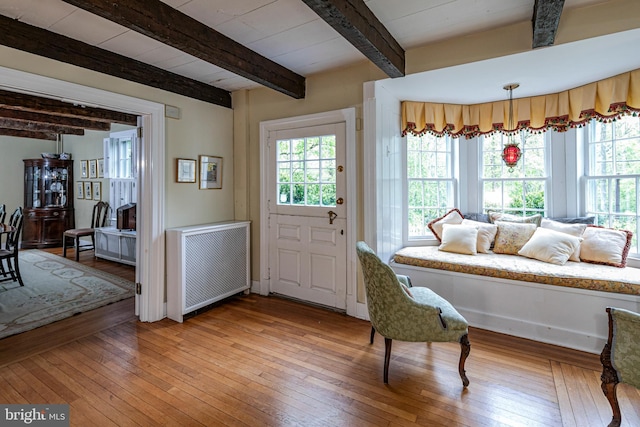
column 620, row 357
column 400, row 312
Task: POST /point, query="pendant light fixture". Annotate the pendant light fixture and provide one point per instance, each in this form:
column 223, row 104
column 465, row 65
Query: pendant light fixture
column 511, row 152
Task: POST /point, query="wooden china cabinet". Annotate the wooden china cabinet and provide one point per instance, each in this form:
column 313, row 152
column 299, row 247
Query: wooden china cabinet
column 48, row 202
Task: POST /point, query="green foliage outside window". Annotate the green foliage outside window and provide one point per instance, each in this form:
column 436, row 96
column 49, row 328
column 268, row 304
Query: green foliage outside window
column 307, row 171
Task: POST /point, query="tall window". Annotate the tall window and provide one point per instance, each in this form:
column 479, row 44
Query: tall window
column 307, row 171
column 521, row 191
column 613, row 174
column 430, row 181
column 119, row 150
column 120, row 167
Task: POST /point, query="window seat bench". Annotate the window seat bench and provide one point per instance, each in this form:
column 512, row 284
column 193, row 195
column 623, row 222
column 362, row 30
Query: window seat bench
column 558, row 304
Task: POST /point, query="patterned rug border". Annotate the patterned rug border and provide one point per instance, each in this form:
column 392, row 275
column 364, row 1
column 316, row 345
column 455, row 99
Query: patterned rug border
column 75, row 306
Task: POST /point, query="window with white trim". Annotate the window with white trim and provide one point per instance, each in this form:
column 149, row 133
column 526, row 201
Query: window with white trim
column 522, row 190
column 613, row 175
column 431, row 185
column 120, row 151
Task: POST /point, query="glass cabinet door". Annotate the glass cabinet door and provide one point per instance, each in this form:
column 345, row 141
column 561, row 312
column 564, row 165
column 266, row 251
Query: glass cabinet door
column 55, row 186
column 32, row 187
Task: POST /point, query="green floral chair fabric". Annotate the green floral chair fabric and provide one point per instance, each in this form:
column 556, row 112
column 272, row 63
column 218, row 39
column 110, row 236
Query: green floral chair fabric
column 401, row 312
column 620, row 357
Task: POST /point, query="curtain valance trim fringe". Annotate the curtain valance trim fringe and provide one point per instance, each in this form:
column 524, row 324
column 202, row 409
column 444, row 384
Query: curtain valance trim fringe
column 605, row 100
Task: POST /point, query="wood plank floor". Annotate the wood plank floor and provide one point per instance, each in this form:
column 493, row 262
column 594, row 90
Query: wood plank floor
column 257, row 361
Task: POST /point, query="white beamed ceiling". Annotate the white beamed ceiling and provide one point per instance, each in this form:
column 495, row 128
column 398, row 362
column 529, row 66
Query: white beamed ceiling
column 285, row 31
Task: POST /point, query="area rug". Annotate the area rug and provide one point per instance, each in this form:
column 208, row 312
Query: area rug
column 55, row 288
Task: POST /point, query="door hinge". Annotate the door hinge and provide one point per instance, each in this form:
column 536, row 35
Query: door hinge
column 139, row 132
column 138, row 288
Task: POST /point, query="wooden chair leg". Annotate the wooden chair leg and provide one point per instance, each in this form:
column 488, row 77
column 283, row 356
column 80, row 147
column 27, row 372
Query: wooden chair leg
column 387, row 357
column 609, row 385
column 64, row 246
column 465, row 348
column 77, row 248
column 17, row 269
column 373, row 332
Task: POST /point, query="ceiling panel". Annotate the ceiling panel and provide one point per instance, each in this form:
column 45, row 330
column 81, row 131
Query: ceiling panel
column 86, row 27
column 41, row 13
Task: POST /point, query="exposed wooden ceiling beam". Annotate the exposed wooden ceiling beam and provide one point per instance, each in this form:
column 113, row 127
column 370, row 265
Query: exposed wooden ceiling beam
column 25, row 102
column 38, row 127
column 44, row 118
column 45, row 43
column 356, row 23
column 48, row 136
column 546, row 17
column 157, row 20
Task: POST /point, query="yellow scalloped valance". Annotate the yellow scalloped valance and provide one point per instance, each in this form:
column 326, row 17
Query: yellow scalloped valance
column 605, row 100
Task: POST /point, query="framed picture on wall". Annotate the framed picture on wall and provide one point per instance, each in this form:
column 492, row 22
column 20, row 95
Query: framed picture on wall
column 93, row 168
column 80, row 190
column 100, row 168
column 97, row 193
column 84, row 169
column 210, row 172
column 87, row 191
column 186, row 170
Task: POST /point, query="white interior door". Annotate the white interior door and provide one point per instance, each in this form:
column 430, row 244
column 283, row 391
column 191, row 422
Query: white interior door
column 307, row 208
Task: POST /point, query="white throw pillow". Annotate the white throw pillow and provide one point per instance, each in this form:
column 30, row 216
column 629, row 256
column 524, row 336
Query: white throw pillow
column 454, row 216
column 573, row 229
column 486, row 234
column 550, row 246
column 605, row 246
column 460, row 239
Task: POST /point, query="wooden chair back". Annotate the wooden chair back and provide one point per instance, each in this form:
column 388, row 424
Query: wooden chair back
column 100, row 215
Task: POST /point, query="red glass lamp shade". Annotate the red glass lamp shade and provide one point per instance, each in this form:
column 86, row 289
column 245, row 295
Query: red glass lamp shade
column 511, row 154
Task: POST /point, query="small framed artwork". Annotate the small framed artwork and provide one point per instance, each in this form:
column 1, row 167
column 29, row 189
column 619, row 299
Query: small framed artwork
column 186, row 170
column 97, row 193
column 210, row 172
column 87, row 191
column 80, row 190
column 84, row 169
column 93, row 168
column 100, row 168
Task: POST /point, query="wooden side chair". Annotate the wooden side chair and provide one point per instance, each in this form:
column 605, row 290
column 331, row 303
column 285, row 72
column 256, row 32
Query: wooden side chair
column 401, row 312
column 99, row 218
column 11, row 249
column 620, row 357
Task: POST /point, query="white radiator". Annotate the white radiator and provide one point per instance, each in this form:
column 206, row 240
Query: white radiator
column 206, row 263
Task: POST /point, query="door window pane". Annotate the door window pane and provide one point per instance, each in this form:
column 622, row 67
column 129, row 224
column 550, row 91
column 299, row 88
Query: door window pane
column 310, row 165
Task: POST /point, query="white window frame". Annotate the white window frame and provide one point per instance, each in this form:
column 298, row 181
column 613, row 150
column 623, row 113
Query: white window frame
column 588, row 177
column 428, row 239
column 548, row 161
column 112, row 154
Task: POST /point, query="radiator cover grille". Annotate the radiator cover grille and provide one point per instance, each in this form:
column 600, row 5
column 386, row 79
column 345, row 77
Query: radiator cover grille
column 205, row 264
column 215, row 265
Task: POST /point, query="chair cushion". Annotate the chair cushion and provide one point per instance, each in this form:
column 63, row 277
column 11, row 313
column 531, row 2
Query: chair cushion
column 77, row 232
